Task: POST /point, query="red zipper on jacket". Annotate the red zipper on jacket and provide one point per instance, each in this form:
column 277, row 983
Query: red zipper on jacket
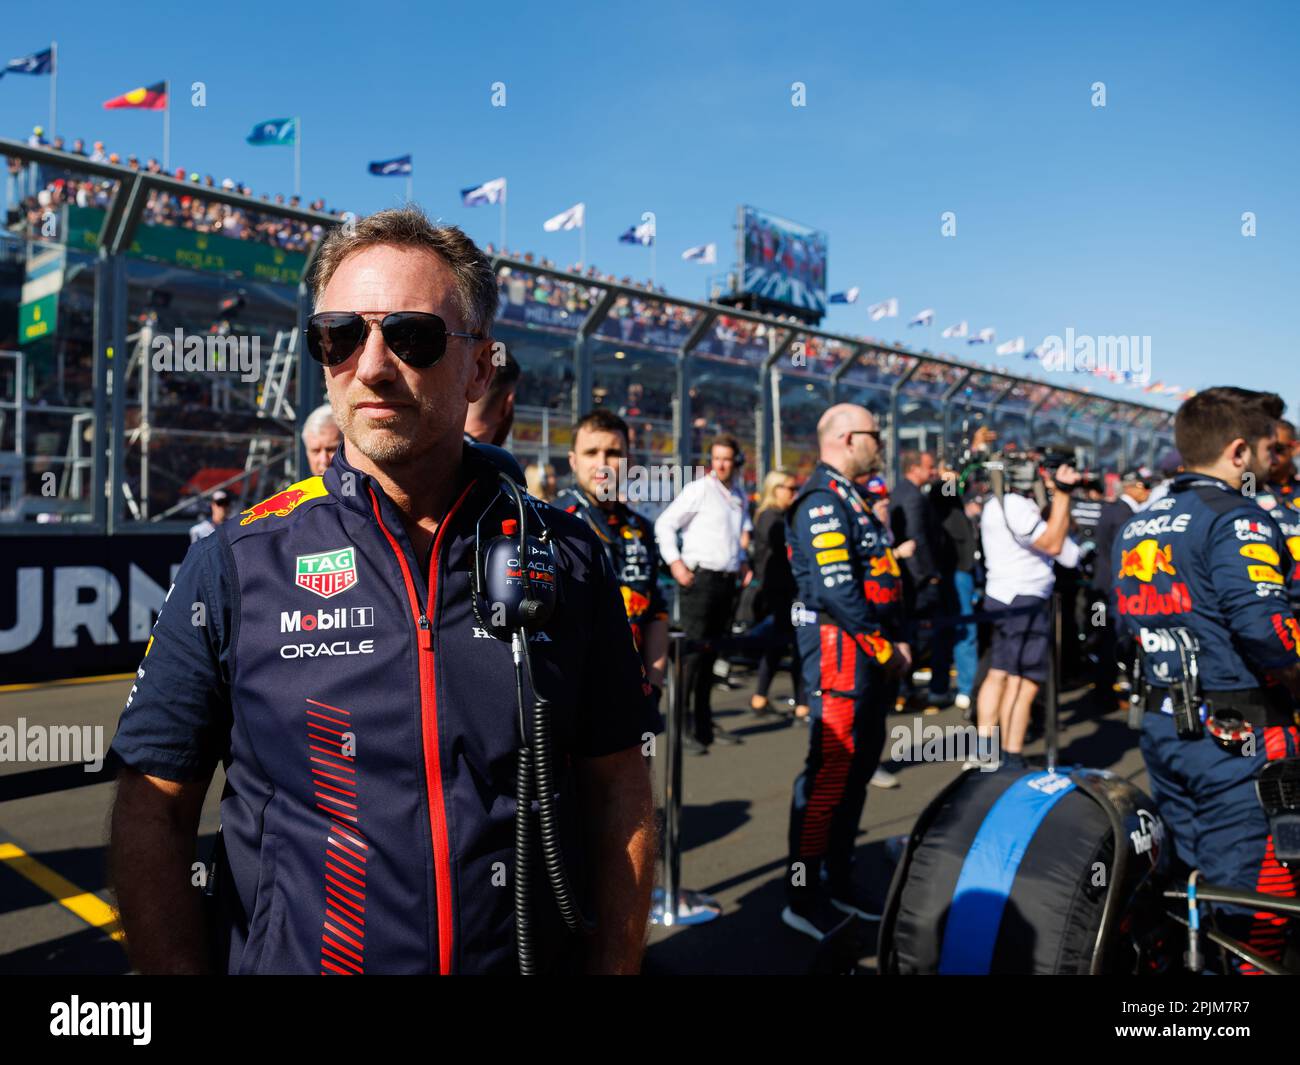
column 429, row 724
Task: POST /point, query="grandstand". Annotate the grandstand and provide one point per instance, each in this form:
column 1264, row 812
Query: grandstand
column 97, row 259
column 101, row 252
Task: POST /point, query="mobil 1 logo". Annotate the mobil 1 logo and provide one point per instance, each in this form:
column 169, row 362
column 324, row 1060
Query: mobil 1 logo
column 324, row 620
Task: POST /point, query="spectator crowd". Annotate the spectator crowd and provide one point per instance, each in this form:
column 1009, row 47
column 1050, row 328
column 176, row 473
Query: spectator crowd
column 48, row 188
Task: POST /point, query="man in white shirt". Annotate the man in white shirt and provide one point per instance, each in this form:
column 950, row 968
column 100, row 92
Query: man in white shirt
column 713, row 519
column 1019, row 550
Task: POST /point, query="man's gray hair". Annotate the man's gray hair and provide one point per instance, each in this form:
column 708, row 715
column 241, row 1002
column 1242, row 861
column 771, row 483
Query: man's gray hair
column 409, row 227
column 321, row 418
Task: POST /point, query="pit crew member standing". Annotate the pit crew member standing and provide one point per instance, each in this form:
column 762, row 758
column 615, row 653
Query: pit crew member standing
column 600, row 441
column 848, row 623
column 1204, row 567
column 1281, row 498
column 325, row 648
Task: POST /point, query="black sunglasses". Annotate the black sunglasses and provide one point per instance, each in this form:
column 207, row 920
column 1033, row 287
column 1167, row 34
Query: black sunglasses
column 873, row 433
column 418, row 338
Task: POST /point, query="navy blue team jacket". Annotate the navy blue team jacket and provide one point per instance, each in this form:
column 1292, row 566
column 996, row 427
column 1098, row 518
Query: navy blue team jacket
column 1206, row 559
column 368, row 724
column 842, row 562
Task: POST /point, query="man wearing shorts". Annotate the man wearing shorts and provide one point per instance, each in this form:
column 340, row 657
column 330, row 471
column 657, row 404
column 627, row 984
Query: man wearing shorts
column 1020, row 546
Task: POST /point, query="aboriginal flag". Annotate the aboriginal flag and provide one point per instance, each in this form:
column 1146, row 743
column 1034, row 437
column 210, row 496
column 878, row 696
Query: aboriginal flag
column 152, row 98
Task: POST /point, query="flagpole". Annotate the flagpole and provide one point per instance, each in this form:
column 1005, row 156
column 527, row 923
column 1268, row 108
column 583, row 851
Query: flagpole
column 653, row 242
column 582, row 244
column 167, row 124
column 409, row 195
column 503, row 221
column 54, row 88
column 297, row 156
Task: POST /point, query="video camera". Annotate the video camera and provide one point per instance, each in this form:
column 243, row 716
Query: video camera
column 1017, row 470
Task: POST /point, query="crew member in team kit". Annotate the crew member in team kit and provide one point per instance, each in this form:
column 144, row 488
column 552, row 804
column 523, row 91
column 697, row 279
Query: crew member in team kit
column 849, row 624
column 600, row 441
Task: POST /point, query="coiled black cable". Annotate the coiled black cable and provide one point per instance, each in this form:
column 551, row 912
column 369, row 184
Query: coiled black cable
column 524, row 946
column 534, row 777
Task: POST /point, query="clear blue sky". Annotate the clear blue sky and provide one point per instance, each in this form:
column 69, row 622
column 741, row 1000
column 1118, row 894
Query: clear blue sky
column 1117, row 220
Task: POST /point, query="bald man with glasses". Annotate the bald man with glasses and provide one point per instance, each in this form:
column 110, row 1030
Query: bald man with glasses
column 849, row 624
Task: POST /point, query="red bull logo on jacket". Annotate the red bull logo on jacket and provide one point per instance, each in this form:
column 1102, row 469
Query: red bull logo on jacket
column 1148, row 601
column 283, row 503
column 634, row 603
column 884, row 564
column 1145, row 560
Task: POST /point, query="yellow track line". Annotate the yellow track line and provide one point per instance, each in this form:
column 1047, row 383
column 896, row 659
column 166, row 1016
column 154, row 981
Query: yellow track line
column 84, row 904
column 67, row 680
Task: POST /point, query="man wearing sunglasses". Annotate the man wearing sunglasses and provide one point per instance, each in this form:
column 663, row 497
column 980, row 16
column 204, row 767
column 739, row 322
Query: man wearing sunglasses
column 1281, row 495
column 849, row 626
column 326, row 648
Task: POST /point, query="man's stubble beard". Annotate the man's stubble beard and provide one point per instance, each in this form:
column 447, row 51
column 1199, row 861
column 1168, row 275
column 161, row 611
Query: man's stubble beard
column 384, row 442
column 866, row 468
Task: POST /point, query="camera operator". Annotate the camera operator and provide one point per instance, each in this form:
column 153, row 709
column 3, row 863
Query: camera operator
column 1203, row 589
column 1019, row 549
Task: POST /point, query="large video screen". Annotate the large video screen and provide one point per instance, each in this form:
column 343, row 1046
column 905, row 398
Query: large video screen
column 782, row 261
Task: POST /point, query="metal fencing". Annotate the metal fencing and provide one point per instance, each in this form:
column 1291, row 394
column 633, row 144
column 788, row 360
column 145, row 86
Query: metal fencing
column 155, row 357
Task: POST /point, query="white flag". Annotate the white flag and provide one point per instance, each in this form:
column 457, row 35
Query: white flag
column 887, row 309
column 1012, row 347
column 984, row 336
column 924, row 318
column 490, row 192
column 958, row 330
column 570, row 219
column 706, row 254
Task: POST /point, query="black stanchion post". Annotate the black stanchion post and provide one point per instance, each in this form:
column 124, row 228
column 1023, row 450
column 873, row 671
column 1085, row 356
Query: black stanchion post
column 674, row 904
column 676, row 722
column 1053, row 678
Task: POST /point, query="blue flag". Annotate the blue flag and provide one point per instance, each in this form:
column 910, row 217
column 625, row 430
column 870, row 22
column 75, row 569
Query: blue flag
column 36, row 63
column 275, row 131
column 399, row 167
column 643, row 234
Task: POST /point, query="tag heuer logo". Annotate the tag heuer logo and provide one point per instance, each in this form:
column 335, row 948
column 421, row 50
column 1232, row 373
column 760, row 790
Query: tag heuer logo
column 328, row 573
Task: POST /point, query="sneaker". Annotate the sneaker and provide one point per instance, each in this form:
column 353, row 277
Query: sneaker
column 815, row 917
column 848, row 898
column 693, row 746
column 883, row 778
column 962, row 702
